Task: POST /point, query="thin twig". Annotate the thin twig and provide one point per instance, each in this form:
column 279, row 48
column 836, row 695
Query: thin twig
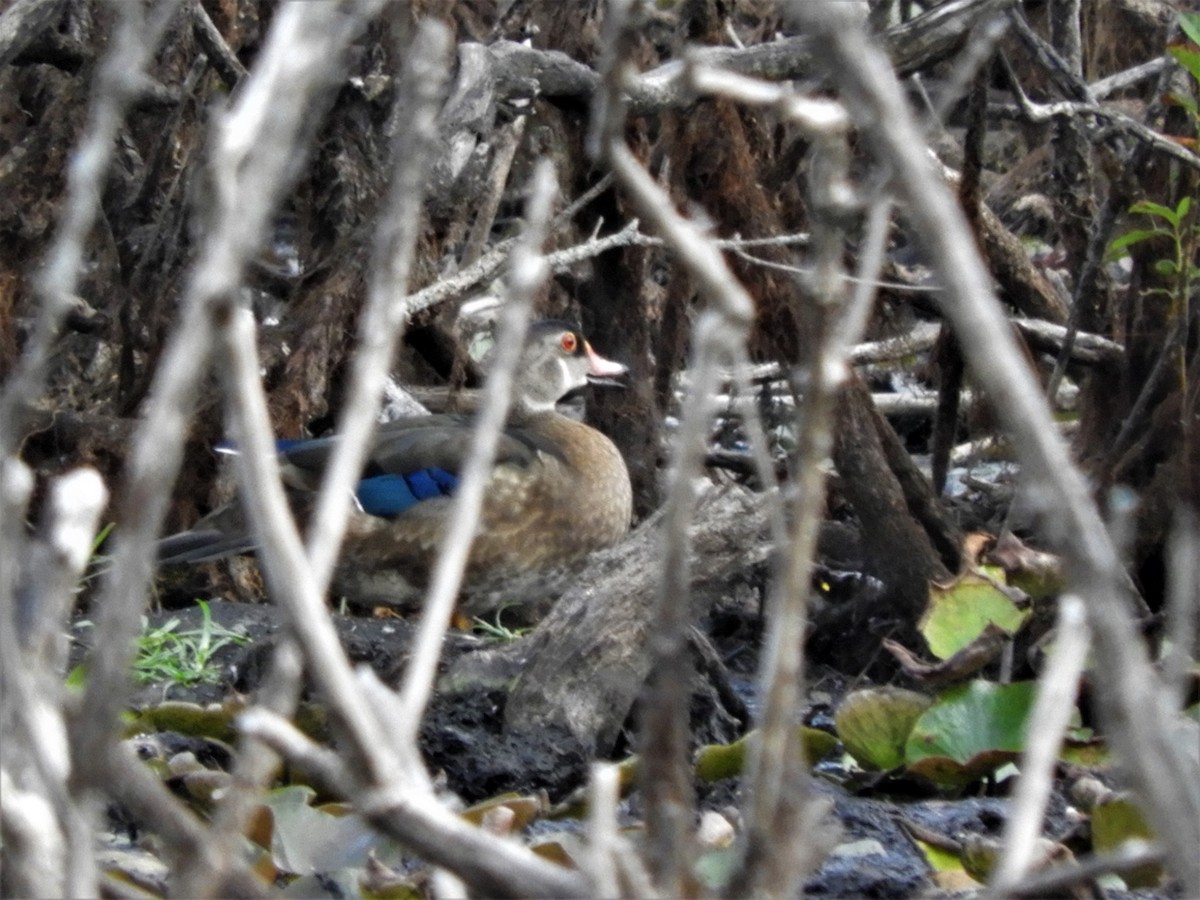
column 1183, row 603
column 505, row 150
column 223, row 60
column 492, row 866
column 254, row 767
column 806, row 272
column 290, row 578
column 255, row 156
column 969, row 63
column 120, row 76
column 1115, row 119
column 1048, row 723
column 1128, row 78
column 386, row 312
column 603, row 792
column 1065, row 72
column 719, row 331
column 775, row 783
column 1169, row 781
column 528, row 270
column 1132, row 854
column 759, row 446
column 51, row 844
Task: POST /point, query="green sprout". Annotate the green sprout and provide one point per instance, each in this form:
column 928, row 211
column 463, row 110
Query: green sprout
column 167, row 653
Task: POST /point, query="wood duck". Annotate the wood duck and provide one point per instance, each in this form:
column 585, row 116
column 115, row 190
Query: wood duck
column 558, row 490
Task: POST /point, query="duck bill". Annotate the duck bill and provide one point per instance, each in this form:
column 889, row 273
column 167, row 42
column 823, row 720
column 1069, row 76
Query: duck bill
column 601, row 370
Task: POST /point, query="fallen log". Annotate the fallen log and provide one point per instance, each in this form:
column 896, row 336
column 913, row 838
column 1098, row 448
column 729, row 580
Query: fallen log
column 582, row 668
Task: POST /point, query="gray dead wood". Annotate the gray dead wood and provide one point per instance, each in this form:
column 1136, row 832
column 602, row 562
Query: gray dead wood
column 1024, row 286
column 582, row 668
column 507, row 70
column 1086, row 349
column 23, row 23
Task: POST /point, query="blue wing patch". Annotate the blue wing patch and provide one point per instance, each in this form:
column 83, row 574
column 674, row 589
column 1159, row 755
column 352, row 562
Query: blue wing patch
column 283, row 445
column 387, row 496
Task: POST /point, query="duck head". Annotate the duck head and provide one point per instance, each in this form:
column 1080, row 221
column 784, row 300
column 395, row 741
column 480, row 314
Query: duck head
column 557, row 360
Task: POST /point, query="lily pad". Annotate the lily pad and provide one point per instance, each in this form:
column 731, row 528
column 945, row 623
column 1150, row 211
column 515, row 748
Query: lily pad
column 308, row 841
column 715, row 868
column 875, row 723
column 556, row 849
column 1087, row 754
column 214, row 720
column 715, row 762
column 970, row 732
column 1116, row 820
column 524, row 809
column 1037, row 573
column 948, row 871
column 959, row 612
column 575, row 806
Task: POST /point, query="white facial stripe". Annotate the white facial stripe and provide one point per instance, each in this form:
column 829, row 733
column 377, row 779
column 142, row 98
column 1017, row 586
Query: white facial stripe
column 546, row 404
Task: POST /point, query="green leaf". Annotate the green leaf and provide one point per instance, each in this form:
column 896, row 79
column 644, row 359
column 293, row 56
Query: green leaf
column 102, row 536
column 1181, row 209
column 212, row 721
column 1187, row 56
column 308, row 841
column 949, row 874
column 1115, row 821
column 875, row 723
column 967, row 719
column 1150, row 208
column 1120, row 246
column 970, row 732
column 1135, row 237
column 715, row 762
column 1166, row 268
column 1190, row 23
column 1089, row 754
column 77, row 678
column 715, row 868
column 958, row 613
column 1184, row 101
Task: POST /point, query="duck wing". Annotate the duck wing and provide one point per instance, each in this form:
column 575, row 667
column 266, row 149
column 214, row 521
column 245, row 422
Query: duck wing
column 411, row 460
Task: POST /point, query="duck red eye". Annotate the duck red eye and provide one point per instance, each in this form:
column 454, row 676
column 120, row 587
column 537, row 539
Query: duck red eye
column 569, row 341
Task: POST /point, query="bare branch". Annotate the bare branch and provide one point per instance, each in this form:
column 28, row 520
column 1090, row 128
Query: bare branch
column 1183, row 604
column 1131, row 855
column 777, row 807
column 1167, row 779
column 602, row 829
column 1048, row 723
column 117, row 83
column 51, row 850
column 254, row 158
column 386, row 312
column 256, row 764
column 492, row 866
column 1122, row 80
column 226, row 63
column 719, row 332
column 1088, row 112
column 527, row 271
